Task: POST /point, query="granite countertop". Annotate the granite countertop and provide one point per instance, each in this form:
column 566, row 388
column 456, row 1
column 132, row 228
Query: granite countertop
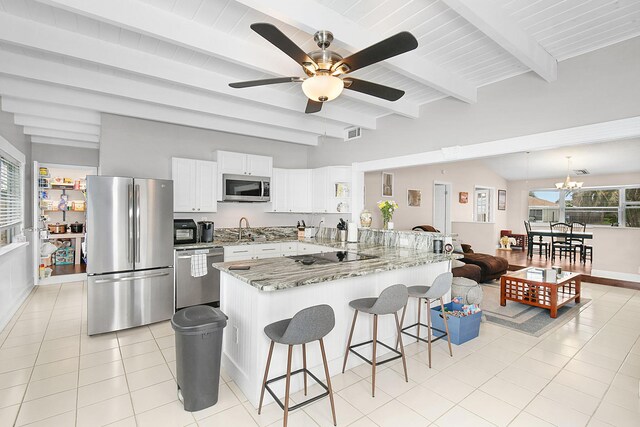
column 272, row 274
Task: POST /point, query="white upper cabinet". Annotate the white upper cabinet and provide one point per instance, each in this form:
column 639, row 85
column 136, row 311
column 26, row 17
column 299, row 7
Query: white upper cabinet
column 299, row 190
column 291, row 190
column 259, row 165
column 232, row 163
column 279, row 191
column 244, row 164
column 194, row 185
column 331, row 189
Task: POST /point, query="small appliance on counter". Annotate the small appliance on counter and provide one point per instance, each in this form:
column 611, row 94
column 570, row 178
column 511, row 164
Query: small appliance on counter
column 205, row 231
column 185, row 231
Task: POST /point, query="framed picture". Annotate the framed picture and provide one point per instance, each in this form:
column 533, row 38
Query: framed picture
column 414, row 198
column 463, row 197
column 342, row 189
column 502, row 200
column 387, row 184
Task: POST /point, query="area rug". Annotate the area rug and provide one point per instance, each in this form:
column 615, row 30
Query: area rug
column 521, row 317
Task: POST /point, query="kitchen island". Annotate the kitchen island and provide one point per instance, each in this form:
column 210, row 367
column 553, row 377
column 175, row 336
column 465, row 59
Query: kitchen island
column 276, row 288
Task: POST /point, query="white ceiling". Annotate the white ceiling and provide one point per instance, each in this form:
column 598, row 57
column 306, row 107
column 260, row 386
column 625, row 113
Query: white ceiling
column 599, row 159
column 62, row 62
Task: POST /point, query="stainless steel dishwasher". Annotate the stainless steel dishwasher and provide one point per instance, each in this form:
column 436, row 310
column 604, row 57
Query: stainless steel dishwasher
column 197, row 290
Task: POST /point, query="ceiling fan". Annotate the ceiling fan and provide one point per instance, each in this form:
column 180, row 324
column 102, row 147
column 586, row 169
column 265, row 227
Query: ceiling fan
column 326, row 70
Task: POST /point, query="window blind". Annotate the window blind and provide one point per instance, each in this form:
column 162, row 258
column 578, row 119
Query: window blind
column 10, row 193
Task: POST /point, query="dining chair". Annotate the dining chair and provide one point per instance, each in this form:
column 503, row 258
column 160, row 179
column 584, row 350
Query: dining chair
column 561, row 240
column 579, row 244
column 531, row 242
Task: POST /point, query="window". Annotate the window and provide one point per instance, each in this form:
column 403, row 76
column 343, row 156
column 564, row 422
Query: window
column 544, row 206
column 631, row 205
column 483, row 204
column 10, row 199
column 613, row 206
column 592, row 206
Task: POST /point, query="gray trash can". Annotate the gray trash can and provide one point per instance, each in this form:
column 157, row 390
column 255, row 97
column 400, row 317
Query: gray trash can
column 198, row 352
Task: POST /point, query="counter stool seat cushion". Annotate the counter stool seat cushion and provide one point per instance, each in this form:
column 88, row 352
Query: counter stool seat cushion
column 418, row 290
column 363, row 304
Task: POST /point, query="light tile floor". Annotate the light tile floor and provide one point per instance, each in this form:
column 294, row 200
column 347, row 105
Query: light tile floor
column 584, row 372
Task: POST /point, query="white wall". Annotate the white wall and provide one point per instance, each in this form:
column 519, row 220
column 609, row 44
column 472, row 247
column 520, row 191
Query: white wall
column 463, row 177
column 61, row 155
column 16, row 267
column 595, row 87
column 614, row 249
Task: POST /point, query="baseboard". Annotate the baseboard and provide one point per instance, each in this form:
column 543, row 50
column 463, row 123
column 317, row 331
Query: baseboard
column 6, row 317
column 627, row 277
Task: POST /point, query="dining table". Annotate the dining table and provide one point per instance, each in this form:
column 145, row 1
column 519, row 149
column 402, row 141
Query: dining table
column 558, row 234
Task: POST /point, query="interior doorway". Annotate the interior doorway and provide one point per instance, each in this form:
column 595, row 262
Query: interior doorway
column 442, row 206
column 59, row 210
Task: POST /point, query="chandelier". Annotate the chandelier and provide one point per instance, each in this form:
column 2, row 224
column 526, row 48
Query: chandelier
column 568, row 184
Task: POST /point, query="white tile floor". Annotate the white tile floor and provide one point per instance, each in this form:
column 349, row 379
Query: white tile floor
column 585, row 372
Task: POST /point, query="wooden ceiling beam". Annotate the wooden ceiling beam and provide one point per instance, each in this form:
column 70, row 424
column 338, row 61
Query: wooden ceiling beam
column 145, row 19
column 34, row 91
column 489, row 17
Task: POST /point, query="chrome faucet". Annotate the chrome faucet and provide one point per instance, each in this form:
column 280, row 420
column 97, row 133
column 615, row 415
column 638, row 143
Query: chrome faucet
column 246, row 221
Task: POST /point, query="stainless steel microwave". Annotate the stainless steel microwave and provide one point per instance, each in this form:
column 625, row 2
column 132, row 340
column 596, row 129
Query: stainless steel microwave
column 246, row 188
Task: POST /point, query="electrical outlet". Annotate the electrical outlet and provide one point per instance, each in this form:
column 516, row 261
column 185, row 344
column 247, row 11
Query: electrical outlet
column 204, row 218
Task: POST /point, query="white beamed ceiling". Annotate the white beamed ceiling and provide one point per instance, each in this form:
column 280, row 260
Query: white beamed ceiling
column 63, row 62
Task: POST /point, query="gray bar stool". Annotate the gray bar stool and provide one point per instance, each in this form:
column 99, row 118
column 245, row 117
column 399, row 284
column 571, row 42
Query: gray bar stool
column 441, row 285
column 390, row 301
column 310, row 324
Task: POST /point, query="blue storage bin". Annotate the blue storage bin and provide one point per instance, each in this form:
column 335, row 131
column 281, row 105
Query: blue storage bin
column 461, row 329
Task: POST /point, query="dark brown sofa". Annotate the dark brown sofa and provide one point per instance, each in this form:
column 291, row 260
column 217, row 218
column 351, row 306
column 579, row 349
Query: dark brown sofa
column 478, row 267
column 491, row 267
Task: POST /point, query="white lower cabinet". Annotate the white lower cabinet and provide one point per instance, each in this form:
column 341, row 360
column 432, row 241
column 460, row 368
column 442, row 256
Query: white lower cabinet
column 271, row 250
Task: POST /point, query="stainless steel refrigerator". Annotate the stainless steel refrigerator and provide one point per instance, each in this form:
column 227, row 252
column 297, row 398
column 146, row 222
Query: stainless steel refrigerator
column 129, row 252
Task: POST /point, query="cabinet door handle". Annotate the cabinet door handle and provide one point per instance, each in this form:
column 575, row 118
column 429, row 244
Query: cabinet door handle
column 193, row 209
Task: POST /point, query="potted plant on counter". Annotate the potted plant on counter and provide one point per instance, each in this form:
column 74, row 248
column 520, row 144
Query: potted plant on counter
column 387, row 207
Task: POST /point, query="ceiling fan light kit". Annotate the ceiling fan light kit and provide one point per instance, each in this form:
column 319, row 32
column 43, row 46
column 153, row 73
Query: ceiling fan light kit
column 322, row 87
column 327, row 70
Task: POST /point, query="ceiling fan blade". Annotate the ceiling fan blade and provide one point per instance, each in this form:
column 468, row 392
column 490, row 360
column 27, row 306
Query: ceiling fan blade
column 263, row 82
column 373, row 89
column 284, row 43
column 385, row 49
column 313, row 106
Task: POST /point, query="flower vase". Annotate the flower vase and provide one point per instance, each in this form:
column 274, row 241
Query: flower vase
column 389, row 225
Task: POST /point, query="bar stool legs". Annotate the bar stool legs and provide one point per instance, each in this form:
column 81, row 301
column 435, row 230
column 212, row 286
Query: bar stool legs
column 266, row 376
column 285, row 404
column 326, row 374
column 287, row 387
column 346, row 353
column 428, row 325
column 375, row 343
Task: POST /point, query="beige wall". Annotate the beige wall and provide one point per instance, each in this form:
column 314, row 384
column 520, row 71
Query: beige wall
column 614, row 249
column 463, row 176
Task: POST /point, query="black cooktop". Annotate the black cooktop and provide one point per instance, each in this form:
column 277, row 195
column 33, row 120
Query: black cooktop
column 340, row 256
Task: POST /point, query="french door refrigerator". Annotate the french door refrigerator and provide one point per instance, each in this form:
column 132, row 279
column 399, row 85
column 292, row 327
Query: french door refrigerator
column 129, row 252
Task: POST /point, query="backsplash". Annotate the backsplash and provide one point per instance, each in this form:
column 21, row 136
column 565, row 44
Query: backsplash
column 419, row 240
column 270, row 233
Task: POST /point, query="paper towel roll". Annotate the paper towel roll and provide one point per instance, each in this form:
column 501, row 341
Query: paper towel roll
column 352, row 232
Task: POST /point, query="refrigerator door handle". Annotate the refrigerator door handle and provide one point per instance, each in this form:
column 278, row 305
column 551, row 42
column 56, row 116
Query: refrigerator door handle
column 131, row 278
column 130, row 223
column 137, row 197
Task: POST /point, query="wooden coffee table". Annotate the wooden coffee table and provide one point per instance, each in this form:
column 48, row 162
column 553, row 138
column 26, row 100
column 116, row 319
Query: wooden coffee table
column 527, row 287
